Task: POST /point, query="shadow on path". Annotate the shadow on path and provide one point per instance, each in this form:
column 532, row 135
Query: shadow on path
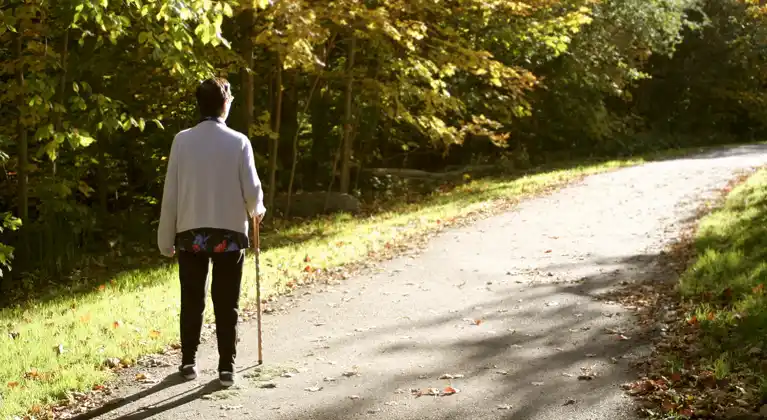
column 158, row 407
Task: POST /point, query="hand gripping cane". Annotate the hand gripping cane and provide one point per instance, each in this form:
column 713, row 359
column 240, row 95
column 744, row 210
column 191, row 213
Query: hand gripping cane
column 257, row 238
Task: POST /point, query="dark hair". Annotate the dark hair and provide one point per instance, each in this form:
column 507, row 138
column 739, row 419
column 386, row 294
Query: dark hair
column 212, row 94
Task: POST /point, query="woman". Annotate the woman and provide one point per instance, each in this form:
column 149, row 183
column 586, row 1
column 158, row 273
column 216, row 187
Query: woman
column 211, row 191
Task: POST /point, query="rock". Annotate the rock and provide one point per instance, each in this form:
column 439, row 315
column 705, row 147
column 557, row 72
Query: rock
column 312, row 204
column 112, row 362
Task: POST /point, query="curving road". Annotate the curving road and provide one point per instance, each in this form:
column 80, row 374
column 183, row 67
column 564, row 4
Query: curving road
column 530, row 276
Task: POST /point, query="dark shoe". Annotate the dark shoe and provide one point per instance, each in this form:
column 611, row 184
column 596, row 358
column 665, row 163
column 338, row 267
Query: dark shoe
column 189, row 372
column 226, row 378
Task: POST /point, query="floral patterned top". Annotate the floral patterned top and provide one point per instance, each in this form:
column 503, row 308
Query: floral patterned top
column 211, row 240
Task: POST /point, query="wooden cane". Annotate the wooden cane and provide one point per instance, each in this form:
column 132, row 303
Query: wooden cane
column 257, row 238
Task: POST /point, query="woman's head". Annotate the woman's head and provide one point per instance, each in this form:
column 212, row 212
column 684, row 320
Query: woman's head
column 214, row 98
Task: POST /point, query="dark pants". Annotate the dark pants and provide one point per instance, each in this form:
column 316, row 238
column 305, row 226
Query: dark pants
column 227, row 277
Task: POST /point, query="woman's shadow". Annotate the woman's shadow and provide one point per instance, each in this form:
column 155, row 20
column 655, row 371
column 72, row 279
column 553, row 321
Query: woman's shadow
column 158, row 407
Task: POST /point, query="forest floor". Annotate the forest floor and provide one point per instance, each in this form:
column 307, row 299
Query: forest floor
column 513, row 316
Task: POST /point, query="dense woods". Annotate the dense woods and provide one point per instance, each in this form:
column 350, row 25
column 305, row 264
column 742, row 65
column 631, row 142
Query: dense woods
column 94, row 91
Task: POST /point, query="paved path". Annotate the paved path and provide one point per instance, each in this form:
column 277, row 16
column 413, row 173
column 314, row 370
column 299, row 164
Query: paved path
column 529, row 275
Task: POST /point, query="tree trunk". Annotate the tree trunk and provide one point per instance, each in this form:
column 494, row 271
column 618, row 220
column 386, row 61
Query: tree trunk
column 368, row 135
column 295, row 146
column 23, row 169
column 102, row 175
column 308, row 103
column 275, row 141
column 248, row 20
column 337, row 157
column 346, row 154
column 62, row 86
column 289, row 127
column 321, row 150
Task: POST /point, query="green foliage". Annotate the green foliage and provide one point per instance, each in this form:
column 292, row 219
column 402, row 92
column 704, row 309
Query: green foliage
column 7, row 221
column 726, row 284
column 92, row 93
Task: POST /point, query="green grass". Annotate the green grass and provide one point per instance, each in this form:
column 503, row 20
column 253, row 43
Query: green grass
column 726, row 282
column 136, row 312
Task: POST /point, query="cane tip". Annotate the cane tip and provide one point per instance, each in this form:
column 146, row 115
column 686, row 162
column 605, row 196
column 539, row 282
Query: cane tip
column 260, row 362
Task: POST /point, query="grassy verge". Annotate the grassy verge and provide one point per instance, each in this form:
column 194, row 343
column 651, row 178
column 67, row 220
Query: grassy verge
column 727, row 286
column 709, row 363
column 60, row 345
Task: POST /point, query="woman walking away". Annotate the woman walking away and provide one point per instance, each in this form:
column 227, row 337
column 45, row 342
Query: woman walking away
column 211, row 191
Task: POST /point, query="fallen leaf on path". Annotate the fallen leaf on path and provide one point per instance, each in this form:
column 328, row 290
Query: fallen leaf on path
column 585, row 377
column 435, row 392
column 144, row 378
column 504, row 407
column 450, row 391
column 570, row 401
column 449, row 376
column 268, row 385
column 391, row 403
column 288, row 375
column 329, row 379
column 548, row 251
column 313, row 389
column 355, row 397
column 537, row 383
column 351, row 373
column 552, row 303
column 231, row 407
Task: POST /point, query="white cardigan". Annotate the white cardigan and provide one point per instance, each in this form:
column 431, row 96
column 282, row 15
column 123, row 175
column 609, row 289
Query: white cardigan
column 211, row 182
